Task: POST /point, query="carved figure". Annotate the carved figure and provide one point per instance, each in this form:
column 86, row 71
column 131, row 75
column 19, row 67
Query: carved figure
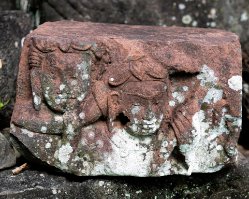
column 102, row 102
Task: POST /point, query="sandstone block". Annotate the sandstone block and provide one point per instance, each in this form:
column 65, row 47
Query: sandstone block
column 98, row 99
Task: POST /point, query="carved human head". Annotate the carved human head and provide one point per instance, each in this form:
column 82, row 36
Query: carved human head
column 139, row 96
column 60, row 73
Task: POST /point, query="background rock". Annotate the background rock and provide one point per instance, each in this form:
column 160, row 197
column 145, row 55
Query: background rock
column 7, row 5
column 14, row 26
column 229, row 183
column 7, row 153
column 231, row 15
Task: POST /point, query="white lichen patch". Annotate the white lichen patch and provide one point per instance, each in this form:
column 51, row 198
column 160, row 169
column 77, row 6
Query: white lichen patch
column 48, row 145
column 199, row 155
column 83, row 68
column 246, row 88
column 87, row 168
column 37, row 99
column 186, row 19
column 194, row 23
column 16, row 44
column 244, row 16
column 13, row 127
column 178, row 96
column 54, row 191
column 168, row 165
column 209, row 80
column 213, row 95
column 204, row 154
column 129, row 156
column 181, row 6
column 213, row 24
column 101, row 183
column 74, row 82
column 165, row 168
column 82, row 115
column 172, row 103
column 91, row 135
column 58, row 118
column 27, row 132
column 62, row 87
column 83, row 71
column 81, row 97
column 70, row 131
column 207, row 77
column 58, row 99
column 236, row 121
column 185, row 88
column 212, row 13
column 135, row 109
column 100, row 144
column 43, row 129
column 64, row 153
column 219, row 148
column 235, row 82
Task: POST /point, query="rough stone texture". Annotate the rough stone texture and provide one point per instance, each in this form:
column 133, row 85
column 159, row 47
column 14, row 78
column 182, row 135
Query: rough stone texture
column 228, row 183
column 96, row 99
column 14, row 25
column 7, row 5
column 231, row 15
column 7, row 152
column 244, row 135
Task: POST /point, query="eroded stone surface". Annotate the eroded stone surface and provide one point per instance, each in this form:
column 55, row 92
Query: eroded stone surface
column 96, row 99
column 7, row 152
column 228, row 183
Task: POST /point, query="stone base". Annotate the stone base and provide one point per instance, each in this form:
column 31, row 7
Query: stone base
column 231, row 182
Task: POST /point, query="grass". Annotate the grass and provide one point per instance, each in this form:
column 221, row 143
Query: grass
column 3, row 104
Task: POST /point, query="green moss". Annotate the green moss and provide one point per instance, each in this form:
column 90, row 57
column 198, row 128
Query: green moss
column 3, row 104
column 204, row 106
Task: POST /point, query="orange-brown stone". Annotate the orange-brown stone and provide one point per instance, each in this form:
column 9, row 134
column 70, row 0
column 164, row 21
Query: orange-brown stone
column 98, row 99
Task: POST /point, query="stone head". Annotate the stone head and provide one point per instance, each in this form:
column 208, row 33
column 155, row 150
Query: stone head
column 139, row 96
column 64, row 77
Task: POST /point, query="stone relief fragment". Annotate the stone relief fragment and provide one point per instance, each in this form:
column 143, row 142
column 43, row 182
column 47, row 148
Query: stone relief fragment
column 97, row 99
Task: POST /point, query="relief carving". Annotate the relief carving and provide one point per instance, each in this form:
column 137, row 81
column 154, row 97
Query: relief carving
column 115, row 106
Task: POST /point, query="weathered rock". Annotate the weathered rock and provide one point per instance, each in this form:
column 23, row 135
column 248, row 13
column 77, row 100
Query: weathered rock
column 7, row 152
column 14, row 25
column 228, row 183
column 97, row 99
column 7, row 5
column 231, row 15
column 244, row 135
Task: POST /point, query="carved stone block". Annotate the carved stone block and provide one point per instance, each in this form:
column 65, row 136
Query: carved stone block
column 98, row 99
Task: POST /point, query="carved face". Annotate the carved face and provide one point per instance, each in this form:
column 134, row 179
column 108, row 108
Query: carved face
column 65, row 80
column 141, row 105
